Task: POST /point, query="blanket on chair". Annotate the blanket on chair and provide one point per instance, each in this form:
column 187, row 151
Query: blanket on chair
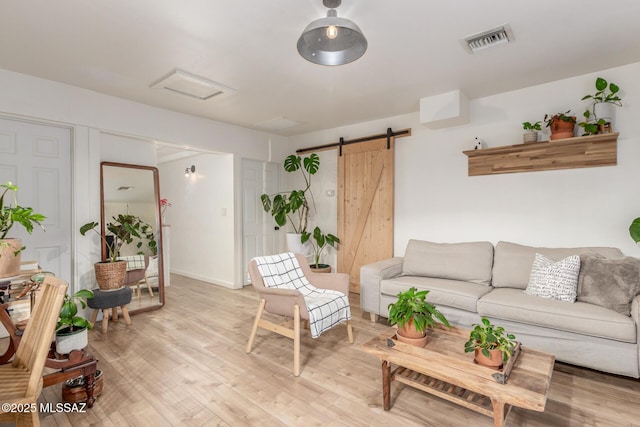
column 326, row 307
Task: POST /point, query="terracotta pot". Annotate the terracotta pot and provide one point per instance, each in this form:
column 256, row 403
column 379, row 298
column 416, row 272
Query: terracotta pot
column 10, row 263
column 409, row 331
column 320, row 268
column 110, row 275
column 418, row 342
column 493, row 361
column 561, row 129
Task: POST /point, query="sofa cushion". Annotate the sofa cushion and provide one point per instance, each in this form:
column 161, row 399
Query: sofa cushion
column 610, row 283
column 555, row 280
column 452, row 293
column 579, row 317
column 512, row 262
column 469, row 262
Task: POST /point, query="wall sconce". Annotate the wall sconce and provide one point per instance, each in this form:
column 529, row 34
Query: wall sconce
column 190, row 170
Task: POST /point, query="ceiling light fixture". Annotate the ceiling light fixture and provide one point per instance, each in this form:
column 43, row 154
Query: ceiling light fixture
column 332, row 40
column 190, row 170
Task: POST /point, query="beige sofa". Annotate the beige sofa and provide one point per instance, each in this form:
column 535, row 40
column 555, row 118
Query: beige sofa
column 469, row 280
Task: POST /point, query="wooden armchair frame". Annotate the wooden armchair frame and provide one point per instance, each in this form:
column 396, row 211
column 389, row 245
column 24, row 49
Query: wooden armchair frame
column 290, row 303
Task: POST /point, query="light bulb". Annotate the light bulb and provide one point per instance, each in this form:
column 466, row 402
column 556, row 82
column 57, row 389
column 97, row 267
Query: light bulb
column 332, row 32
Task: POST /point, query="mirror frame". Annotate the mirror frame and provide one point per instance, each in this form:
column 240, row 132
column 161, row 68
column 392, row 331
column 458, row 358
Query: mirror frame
column 158, row 225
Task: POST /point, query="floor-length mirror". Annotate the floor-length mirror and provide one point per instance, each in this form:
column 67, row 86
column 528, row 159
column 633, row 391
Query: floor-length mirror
column 131, row 195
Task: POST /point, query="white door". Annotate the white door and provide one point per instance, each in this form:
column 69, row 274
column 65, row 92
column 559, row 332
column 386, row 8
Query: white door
column 259, row 234
column 37, row 158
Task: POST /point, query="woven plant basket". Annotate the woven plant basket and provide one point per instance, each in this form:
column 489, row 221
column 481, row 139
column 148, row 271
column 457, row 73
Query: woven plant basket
column 110, row 275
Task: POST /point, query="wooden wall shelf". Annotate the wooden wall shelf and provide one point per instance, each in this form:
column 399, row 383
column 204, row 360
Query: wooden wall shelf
column 569, row 153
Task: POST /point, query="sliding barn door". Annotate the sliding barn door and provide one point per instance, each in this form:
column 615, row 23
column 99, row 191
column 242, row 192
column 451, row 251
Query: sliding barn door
column 365, row 206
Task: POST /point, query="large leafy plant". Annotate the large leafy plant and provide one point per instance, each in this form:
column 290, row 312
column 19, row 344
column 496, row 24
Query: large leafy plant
column 293, row 206
column 124, row 229
column 486, row 336
column 68, row 317
column 412, row 304
column 605, row 93
column 319, row 243
column 10, row 215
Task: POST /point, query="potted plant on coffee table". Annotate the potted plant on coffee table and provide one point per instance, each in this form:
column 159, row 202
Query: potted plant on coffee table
column 561, row 124
column 111, row 272
column 491, row 344
column 319, row 244
column 10, row 248
column 294, row 206
column 71, row 330
column 414, row 315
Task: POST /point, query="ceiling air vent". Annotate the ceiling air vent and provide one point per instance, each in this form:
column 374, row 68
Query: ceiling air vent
column 190, row 85
column 488, row 38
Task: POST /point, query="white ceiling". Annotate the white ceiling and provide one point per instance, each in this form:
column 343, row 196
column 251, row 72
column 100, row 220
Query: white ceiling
column 121, row 47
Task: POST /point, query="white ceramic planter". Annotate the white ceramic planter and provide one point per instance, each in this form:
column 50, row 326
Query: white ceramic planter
column 294, row 245
column 530, row 136
column 604, row 110
column 77, row 340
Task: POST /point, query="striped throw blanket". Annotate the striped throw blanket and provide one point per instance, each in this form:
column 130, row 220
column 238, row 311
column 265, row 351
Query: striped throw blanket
column 326, row 307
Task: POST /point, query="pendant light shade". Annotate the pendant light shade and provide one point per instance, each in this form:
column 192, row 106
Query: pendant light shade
column 332, row 40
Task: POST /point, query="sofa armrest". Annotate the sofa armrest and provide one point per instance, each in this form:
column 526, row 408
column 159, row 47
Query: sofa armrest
column 370, row 277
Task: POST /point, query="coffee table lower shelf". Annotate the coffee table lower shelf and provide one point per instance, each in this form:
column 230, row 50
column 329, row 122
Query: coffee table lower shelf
column 453, row 393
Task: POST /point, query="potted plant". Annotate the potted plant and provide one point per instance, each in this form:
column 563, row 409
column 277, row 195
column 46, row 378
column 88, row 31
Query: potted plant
column 602, row 101
column 71, row 330
column 592, row 127
column 492, row 346
column 294, row 206
column 111, row 272
column 634, row 230
column 10, row 248
column 531, row 131
column 319, row 244
column 560, row 124
column 414, row 315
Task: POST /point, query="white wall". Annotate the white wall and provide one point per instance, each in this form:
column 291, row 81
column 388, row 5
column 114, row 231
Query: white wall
column 93, row 118
column 201, row 217
column 436, row 200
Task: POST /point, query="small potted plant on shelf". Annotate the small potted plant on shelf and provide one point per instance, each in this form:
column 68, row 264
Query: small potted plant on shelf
column 71, row 330
column 111, row 272
column 319, row 244
column 492, row 346
column 11, row 248
column 560, row 124
column 294, row 206
column 599, row 114
column 414, row 315
column 531, row 131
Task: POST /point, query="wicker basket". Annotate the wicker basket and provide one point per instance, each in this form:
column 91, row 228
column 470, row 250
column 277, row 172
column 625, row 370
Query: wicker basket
column 110, row 275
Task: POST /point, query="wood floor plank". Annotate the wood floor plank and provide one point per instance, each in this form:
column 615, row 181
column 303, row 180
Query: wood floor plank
column 185, row 365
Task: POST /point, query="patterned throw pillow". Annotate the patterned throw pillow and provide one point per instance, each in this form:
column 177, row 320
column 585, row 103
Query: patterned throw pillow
column 555, row 280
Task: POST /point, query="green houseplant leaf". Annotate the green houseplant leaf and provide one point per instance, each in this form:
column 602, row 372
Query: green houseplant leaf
column 412, row 304
column 10, row 214
column 486, row 336
column 68, row 317
column 634, row 230
column 319, row 242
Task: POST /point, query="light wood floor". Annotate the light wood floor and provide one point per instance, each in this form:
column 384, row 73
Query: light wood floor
column 185, row 364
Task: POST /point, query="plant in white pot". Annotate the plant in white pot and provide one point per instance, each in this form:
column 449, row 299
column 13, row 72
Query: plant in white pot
column 600, row 111
column 111, row 272
column 11, row 248
column 294, row 206
column 71, row 330
column 319, row 244
column 531, row 131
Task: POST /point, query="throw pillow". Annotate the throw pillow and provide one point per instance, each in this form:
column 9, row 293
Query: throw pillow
column 610, row 283
column 555, row 280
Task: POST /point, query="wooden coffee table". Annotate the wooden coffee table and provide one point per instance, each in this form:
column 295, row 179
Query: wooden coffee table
column 443, row 369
